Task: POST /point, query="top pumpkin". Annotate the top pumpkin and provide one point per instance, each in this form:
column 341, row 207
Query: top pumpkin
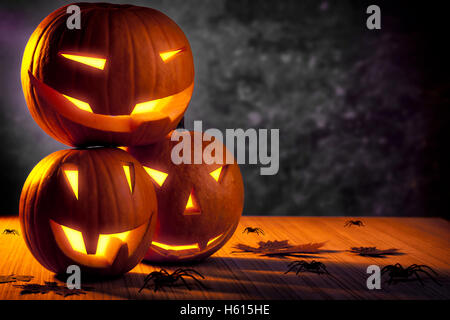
column 125, row 78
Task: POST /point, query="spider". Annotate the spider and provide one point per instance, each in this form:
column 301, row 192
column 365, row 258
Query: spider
column 399, row 274
column 162, row 277
column 350, row 223
column 254, row 230
column 10, row 231
column 313, row 266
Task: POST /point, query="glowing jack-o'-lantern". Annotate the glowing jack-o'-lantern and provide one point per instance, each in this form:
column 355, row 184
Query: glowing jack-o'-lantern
column 95, row 208
column 199, row 205
column 125, row 78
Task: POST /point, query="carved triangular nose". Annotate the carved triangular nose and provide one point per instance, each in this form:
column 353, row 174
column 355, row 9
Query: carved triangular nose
column 192, row 207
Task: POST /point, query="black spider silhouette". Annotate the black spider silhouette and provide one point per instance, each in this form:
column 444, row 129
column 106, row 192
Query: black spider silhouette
column 163, row 278
column 397, row 273
column 304, row 266
column 350, row 223
column 253, row 230
column 11, row 231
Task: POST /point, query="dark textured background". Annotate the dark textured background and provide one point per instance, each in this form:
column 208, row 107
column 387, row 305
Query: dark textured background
column 362, row 114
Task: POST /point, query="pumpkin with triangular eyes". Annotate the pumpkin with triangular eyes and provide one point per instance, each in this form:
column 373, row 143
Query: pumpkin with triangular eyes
column 95, row 208
column 124, row 78
column 199, row 205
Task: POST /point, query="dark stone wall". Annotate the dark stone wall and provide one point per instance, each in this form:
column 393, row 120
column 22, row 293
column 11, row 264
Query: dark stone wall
column 362, row 114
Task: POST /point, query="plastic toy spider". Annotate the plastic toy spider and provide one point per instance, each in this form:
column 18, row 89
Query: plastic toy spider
column 350, row 223
column 399, row 274
column 163, row 278
column 304, row 266
column 253, row 230
column 11, row 231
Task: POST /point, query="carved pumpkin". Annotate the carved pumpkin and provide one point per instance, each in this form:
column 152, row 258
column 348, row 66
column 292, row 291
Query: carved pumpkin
column 95, row 208
column 125, row 78
column 199, row 205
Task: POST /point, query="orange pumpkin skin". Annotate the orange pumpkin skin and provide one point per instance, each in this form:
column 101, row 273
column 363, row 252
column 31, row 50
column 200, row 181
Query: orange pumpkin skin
column 102, row 204
column 191, row 236
column 130, row 39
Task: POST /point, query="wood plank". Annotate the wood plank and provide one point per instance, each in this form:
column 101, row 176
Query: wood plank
column 248, row 276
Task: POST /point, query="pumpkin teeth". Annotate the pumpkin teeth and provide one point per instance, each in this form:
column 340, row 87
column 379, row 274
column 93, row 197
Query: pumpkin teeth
column 107, row 248
column 175, row 248
column 80, row 104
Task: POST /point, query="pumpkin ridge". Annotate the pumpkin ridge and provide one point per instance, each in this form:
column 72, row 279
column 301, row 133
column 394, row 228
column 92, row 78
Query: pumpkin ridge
column 39, row 181
column 154, row 64
column 93, row 185
column 25, row 202
column 168, row 40
column 102, row 167
column 42, row 36
column 133, row 59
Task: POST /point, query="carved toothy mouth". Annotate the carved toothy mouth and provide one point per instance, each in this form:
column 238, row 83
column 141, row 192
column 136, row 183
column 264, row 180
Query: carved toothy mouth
column 167, row 249
column 159, row 113
column 109, row 246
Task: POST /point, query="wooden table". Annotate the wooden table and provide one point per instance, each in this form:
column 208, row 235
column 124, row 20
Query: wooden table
column 249, row 276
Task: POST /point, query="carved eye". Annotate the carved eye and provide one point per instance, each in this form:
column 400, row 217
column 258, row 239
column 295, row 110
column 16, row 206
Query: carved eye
column 98, row 63
column 72, row 178
column 168, row 55
column 216, row 173
column 128, row 169
column 158, row 176
column 80, row 104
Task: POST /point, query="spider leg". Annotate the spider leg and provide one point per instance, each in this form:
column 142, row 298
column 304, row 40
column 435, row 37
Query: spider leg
column 149, row 277
column 324, row 269
column 144, row 285
column 185, row 283
column 177, row 271
column 292, row 266
column 294, row 262
column 302, row 268
column 164, row 271
column 429, row 275
column 414, row 272
column 192, row 270
column 385, row 269
column 424, row 266
column 196, row 280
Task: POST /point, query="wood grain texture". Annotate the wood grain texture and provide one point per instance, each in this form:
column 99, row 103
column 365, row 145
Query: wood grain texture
column 248, row 276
